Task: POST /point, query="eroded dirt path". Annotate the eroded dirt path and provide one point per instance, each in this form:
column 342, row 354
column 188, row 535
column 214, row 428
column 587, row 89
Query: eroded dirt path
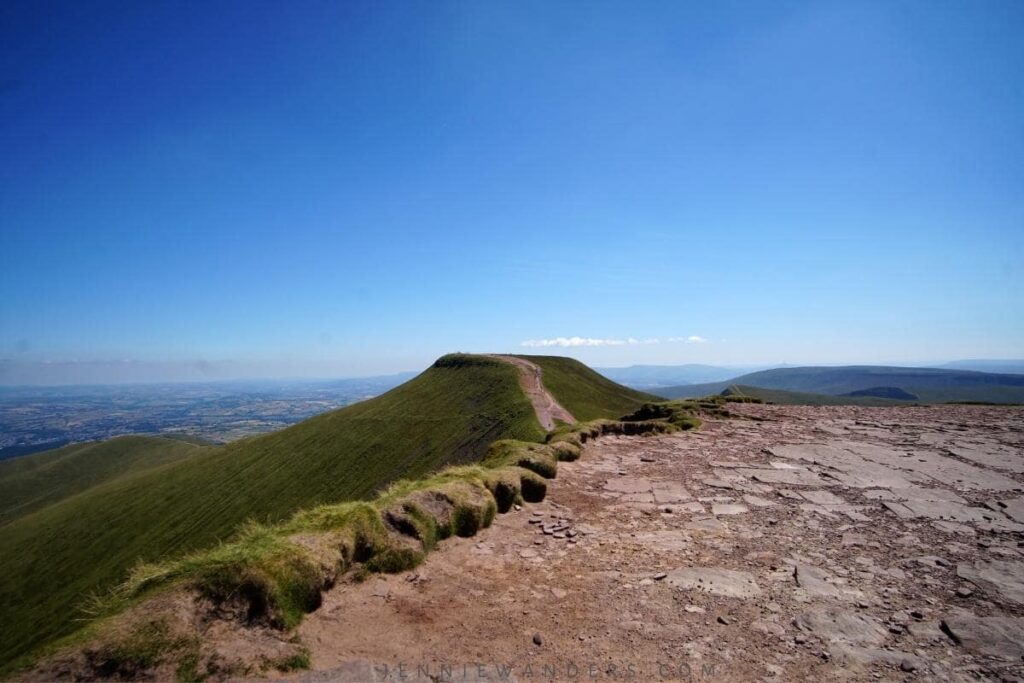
column 548, row 409
column 829, row 543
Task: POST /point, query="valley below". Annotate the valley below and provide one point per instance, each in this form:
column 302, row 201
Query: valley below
column 789, row 543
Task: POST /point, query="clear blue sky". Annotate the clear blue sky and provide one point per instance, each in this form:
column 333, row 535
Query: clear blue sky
column 344, row 188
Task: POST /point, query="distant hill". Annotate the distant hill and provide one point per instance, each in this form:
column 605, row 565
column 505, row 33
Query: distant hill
column 33, row 482
column 653, row 376
column 894, row 393
column 930, row 385
column 798, row 398
column 584, row 392
column 1005, row 367
column 52, row 558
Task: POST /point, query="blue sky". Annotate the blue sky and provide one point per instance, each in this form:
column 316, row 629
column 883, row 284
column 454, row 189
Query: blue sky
column 343, row 188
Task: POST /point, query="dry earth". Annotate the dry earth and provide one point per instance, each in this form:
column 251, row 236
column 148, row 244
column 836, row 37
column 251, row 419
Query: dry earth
column 827, row 543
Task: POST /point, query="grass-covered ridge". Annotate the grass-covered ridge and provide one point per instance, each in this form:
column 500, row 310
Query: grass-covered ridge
column 51, row 559
column 928, row 385
column 32, row 482
column 270, row 575
column 585, row 393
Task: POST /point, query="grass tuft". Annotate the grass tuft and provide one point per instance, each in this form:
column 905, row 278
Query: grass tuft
column 149, row 645
column 539, row 458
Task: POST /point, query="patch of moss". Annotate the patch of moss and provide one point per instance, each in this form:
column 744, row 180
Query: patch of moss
column 297, row 662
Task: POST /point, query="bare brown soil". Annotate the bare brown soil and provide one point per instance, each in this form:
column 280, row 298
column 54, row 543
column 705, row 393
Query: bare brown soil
column 825, row 543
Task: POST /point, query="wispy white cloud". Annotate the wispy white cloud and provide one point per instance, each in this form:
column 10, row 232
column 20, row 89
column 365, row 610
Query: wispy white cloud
column 585, row 341
column 567, row 342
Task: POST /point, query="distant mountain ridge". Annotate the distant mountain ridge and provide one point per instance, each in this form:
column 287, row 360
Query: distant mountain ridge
column 929, row 385
column 652, row 376
column 1004, row 367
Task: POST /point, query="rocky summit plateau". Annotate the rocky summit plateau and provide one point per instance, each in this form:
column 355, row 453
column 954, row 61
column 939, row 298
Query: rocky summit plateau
column 784, row 543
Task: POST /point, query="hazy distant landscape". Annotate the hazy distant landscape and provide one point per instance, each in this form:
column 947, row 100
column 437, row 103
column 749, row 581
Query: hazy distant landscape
column 662, row 341
column 38, row 418
column 33, row 419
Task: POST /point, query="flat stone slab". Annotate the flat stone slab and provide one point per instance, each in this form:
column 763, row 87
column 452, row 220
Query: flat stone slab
column 1001, row 637
column 727, row 583
column 936, row 466
column 644, row 497
column 914, row 493
column 664, row 540
column 728, row 509
column 822, row 497
column 708, row 525
column 991, row 455
column 954, row 512
column 1012, row 508
column 628, row 485
column 839, row 625
column 853, row 655
column 1002, row 577
column 670, row 492
column 941, row 510
column 846, row 467
column 818, row 583
column 786, row 477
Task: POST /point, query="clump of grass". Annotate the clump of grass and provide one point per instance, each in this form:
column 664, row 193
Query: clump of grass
column 579, row 433
column 653, row 422
column 506, row 485
column 535, row 488
column 682, row 413
column 734, row 398
column 295, row 662
column 566, row 451
column 539, row 458
column 147, row 646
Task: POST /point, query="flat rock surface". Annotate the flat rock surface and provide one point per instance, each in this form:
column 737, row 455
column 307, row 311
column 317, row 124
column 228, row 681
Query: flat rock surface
column 1001, row 637
column 873, row 544
column 727, row 583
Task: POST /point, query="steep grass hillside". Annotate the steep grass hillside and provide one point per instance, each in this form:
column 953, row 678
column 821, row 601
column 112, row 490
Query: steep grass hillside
column 32, row 482
column 585, row 393
column 930, row 385
column 167, row 620
column 52, row 559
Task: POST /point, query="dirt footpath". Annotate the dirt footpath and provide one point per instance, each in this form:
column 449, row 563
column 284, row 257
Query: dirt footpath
column 828, row 543
column 547, row 408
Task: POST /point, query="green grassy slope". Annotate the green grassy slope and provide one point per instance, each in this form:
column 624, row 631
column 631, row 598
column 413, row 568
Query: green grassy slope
column 34, row 481
column 931, row 385
column 51, row 559
column 585, row 393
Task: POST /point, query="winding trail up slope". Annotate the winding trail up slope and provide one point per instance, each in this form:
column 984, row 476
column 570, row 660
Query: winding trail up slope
column 548, row 409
